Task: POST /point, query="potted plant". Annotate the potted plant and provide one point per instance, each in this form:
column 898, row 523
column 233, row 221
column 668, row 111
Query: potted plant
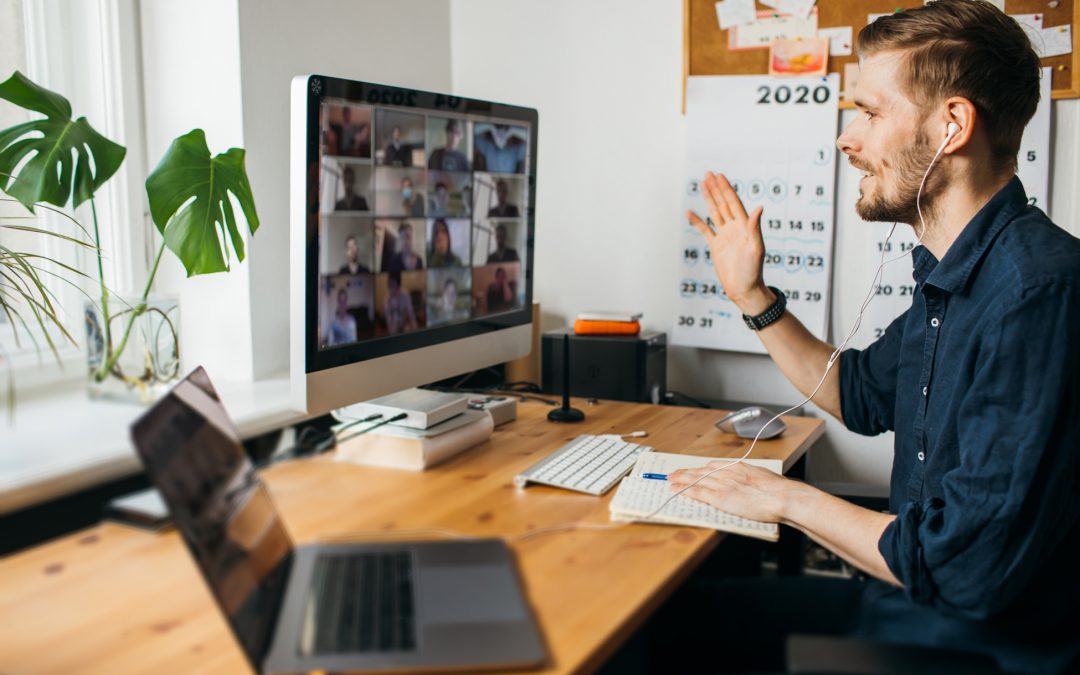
column 58, row 159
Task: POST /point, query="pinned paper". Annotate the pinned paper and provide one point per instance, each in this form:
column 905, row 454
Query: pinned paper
column 770, row 27
column 799, row 57
column 799, row 8
column 839, row 40
column 1055, row 41
column 735, row 13
column 1032, row 25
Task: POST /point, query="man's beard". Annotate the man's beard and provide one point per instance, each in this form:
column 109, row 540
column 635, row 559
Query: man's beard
column 908, row 167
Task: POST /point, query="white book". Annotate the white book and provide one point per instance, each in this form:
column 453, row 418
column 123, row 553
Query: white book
column 413, row 449
column 637, row 498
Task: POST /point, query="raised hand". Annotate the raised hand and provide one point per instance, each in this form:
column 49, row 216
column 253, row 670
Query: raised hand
column 735, row 244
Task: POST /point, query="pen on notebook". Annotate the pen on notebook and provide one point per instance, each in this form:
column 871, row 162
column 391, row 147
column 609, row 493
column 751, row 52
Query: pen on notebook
column 654, row 476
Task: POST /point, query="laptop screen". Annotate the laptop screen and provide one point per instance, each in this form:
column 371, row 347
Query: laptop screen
column 193, row 455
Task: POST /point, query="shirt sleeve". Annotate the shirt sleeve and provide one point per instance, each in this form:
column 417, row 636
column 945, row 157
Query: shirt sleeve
column 868, row 382
column 1010, row 501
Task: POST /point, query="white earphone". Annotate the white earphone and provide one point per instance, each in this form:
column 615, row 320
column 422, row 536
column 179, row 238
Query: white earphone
column 951, row 131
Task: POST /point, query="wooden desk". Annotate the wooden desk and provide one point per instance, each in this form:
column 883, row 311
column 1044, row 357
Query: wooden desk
column 112, row 599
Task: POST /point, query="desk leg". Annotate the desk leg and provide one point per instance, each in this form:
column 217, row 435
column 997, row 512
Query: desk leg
column 792, row 543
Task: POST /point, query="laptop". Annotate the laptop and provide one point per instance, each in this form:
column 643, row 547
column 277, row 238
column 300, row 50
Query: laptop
column 402, row 606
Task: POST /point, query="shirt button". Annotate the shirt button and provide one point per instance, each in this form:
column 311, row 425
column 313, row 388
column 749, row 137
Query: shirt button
column 921, row 456
column 934, row 322
column 924, row 391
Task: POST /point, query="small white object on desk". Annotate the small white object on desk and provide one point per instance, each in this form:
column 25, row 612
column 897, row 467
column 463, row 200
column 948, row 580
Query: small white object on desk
column 423, row 408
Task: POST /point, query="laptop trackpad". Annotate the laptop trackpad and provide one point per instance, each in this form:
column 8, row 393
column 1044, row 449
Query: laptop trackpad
column 470, row 594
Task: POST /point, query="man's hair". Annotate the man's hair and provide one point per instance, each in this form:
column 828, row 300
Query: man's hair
column 965, row 48
column 351, row 237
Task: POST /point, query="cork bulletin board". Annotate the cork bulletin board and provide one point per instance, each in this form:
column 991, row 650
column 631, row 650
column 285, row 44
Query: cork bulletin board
column 705, row 49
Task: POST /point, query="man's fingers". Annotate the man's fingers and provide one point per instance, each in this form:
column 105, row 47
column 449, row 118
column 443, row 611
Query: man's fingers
column 700, row 224
column 715, row 198
column 730, row 197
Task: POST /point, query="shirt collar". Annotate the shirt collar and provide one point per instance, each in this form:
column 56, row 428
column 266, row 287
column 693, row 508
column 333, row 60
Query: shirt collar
column 954, row 270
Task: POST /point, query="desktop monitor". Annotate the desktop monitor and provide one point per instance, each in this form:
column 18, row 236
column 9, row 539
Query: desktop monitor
column 411, row 238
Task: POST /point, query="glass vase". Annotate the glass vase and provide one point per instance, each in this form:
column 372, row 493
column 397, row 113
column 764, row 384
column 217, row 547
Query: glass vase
column 147, row 363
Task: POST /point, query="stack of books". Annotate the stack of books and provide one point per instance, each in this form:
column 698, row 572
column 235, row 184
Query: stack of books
column 608, row 323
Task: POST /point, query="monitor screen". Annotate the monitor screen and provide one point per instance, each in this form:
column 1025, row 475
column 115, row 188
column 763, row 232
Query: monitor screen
column 419, row 219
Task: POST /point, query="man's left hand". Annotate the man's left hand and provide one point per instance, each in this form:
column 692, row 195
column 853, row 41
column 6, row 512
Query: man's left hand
column 740, row 489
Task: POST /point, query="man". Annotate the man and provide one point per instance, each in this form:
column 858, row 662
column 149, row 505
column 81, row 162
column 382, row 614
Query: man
column 351, row 201
column 343, row 327
column 500, row 293
column 502, row 252
column 498, row 150
column 406, row 258
column 448, row 157
column 398, row 308
column 412, row 203
column 980, row 378
column 355, row 139
column 397, row 153
column 440, row 201
column 503, row 208
column 352, row 258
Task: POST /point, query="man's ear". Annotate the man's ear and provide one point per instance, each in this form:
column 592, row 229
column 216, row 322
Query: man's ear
column 961, row 112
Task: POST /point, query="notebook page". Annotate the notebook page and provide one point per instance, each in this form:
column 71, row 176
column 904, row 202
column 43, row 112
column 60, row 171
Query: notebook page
column 666, row 462
column 637, row 497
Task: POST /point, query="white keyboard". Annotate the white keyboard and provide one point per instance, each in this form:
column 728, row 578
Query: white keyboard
column 590, row 464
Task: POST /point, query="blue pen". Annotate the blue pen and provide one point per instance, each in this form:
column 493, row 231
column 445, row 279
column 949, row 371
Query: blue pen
column 654, row 476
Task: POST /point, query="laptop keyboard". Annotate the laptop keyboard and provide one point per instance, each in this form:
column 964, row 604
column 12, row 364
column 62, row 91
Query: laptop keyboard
column 361, row 602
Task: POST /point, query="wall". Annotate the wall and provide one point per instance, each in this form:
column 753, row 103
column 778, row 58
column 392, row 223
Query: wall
column 405, row 42
column 606, row 79
column 235, row 85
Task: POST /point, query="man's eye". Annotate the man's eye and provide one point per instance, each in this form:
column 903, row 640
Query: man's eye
column 869, row 115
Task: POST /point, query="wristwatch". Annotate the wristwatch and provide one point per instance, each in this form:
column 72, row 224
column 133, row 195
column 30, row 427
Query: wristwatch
column 770, row 315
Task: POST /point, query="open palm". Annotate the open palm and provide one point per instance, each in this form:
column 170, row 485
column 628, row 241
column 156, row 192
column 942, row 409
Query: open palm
column 734, row 238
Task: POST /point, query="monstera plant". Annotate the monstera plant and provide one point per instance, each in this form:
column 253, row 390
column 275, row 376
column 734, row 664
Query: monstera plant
column 57, row 159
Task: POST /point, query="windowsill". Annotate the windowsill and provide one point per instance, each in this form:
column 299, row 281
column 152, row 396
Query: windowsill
column 62, row 442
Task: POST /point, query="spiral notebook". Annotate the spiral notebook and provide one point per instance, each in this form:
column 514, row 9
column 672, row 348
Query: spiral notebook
column 638, row 497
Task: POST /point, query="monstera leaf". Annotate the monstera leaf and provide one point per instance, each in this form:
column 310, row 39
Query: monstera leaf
column 55, row 153
column 189, row 203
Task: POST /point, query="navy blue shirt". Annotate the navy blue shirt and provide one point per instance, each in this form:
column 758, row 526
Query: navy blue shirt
column 979, row 380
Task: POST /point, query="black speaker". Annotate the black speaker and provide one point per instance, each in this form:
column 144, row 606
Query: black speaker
column 617, row 367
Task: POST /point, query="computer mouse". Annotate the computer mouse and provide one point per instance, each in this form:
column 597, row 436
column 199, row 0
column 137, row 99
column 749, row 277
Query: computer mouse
column 747, row 422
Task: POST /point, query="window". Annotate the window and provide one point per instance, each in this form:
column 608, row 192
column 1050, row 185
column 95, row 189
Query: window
column 87, row 51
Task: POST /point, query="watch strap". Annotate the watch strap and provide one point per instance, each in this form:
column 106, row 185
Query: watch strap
column 771, row 315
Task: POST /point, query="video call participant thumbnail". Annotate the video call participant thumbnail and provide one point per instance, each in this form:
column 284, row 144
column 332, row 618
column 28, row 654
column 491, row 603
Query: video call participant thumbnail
column 352, row 258
column 401, row 301
column 504, row 207
column 400, row 138
column 449, row 298
column 495, row 287
column 500, row 148
column 346, row 313
column 401, row 250
column 351, row 200
column 450, row 194
column 448, row 250
column 503, row 252
column 449, row 157
column 349, row 131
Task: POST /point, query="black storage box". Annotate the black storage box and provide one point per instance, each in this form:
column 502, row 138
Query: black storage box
column 618, row 367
